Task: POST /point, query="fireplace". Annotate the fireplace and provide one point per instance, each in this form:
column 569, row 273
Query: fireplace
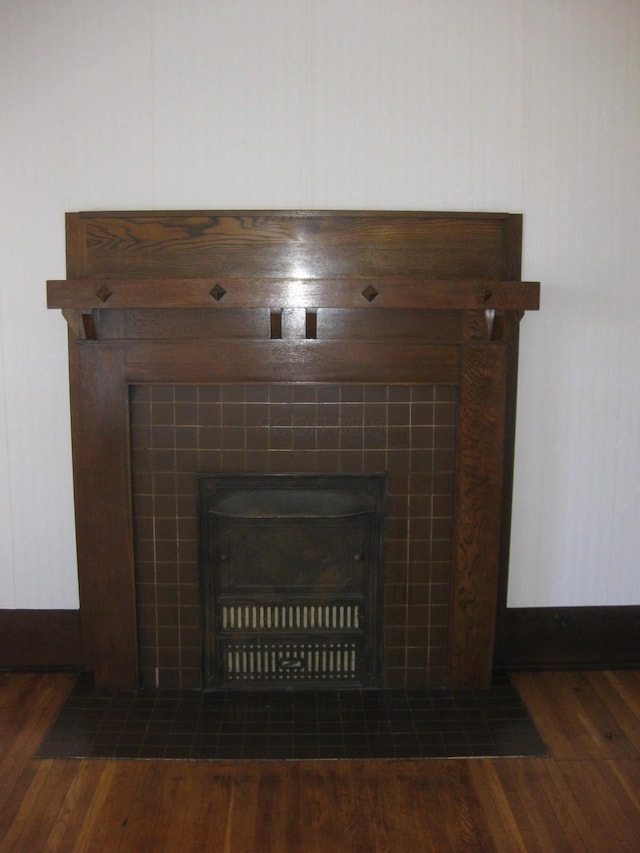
column 406, row 321
column 291, row 572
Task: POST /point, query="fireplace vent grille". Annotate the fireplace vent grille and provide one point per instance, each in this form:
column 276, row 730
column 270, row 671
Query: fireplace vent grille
column 280, row 617
column 259, row 661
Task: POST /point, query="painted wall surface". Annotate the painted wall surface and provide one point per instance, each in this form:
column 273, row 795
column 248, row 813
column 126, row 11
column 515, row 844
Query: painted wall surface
column 506, row 105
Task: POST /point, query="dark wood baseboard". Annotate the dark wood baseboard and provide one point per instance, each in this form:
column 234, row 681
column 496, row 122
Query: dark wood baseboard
column 528, row 638
column 548, row 637
column 40, row 639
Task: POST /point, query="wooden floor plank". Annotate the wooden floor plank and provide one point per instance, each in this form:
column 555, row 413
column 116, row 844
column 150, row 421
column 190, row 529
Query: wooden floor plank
column 616, row 690
column 208, row 804
column 495, row 802
column 541, row 826
column 564, row 723
column 108, row 817
column 600, row 795
column 79, row 800
column 608, row 739
column 29, row 703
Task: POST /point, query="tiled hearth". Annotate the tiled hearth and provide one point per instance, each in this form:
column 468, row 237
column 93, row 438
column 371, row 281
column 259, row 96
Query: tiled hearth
column 304, row 725
column 182, row 430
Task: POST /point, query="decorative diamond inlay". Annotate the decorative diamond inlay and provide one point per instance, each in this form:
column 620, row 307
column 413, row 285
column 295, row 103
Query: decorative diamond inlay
column 217, row 292
column 103, row 294
column 370, row 293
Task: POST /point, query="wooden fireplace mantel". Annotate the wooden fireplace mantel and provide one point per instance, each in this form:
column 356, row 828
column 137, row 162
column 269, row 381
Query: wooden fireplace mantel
column 292, row 296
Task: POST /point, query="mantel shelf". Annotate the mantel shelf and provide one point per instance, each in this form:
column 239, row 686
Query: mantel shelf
column 382, row 293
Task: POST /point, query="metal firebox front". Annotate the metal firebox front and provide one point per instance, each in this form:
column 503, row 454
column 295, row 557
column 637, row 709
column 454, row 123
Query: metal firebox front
column 292, row 574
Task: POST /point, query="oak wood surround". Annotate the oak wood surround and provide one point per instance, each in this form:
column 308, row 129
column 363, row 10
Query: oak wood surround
column 242, row 297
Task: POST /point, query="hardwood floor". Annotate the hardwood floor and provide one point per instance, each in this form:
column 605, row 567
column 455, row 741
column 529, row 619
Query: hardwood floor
column 586, row 796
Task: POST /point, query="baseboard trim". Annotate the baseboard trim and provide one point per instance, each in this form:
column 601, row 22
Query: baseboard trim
column 40, row 639
column 563, row 637
column 527, row 638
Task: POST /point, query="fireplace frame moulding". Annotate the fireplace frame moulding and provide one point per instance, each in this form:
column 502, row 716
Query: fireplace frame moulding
column 241, row 297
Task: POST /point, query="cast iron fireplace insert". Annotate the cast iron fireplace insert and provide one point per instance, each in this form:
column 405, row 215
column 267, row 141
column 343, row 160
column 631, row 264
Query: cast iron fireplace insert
column 224, row 298
column 292, row 583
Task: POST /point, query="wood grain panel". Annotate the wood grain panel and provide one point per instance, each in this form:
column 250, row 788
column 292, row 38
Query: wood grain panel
column 99, row 417
column 375, row 293
column 291, row 361
column 478, row 503
column 290, row 244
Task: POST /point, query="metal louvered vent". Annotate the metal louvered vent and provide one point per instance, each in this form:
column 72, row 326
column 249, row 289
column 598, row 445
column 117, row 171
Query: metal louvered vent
column 292, row 580
column 253, row 662
column 283, row 617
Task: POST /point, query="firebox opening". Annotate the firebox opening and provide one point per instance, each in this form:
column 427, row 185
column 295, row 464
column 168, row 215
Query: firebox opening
column 292, row 580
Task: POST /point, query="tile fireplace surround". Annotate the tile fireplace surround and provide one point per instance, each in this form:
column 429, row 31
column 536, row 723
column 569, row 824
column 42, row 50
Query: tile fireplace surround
column 292, row 342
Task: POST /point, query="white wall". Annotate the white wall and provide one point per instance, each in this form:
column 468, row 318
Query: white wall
column 517, row 105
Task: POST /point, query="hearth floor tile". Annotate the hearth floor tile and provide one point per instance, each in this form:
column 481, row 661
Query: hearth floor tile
column 353, row 724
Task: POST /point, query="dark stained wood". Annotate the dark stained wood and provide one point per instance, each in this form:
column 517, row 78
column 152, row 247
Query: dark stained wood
column 293, row 244
column 577, row 799
column 387, row 293
column 104, row 536
column 289, row 296
column 291, row 361
column 569, row 636
column 478, row 502
column 76, row 245
column 40, row 638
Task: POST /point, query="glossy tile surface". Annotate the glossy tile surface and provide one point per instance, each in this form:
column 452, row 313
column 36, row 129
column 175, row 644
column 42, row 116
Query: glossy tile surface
column 302, row 725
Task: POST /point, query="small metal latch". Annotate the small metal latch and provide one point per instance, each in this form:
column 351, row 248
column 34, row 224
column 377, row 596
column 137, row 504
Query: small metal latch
column 292, row 663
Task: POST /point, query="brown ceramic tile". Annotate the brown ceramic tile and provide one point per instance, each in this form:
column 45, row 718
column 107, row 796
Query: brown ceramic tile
column 161, row 394
column 233, row 414
column 419, row 572
column 257, row 415
column 280, row 393
column 351, row 393
column 209, row 393
column 233, row 438
column 230, row 394
column 419, row 595
column 328, row 439
column 327, row 393
column 444, row 414
column 422, row 393
column 311, row 446
column 140, row 393
column 400, row 461
column 186, row 414
column 418, row 658
column 167, row 573
column 328, row 415
column 257, row 393
column 351, row 461
column 233, row 461
column 257, row 461
column 396, row 573
column 210, row 414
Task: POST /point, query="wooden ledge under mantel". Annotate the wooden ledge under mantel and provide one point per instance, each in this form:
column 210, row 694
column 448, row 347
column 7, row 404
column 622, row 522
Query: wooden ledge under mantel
column 224, row 293
column 238, row 297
